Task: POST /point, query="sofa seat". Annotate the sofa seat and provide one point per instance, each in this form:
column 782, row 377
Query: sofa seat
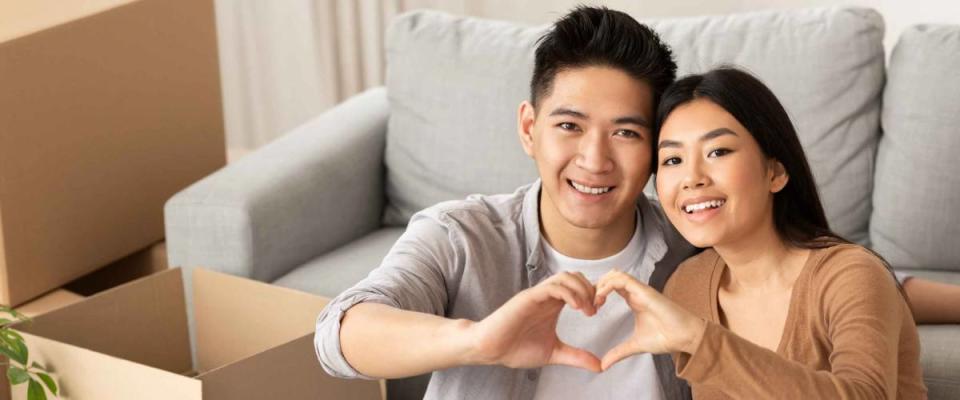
column 336, row 271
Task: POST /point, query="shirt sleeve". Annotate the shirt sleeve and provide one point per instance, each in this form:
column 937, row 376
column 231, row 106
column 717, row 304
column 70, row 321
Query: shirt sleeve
column 411, row 277
column 862, row 311
column 902, row 277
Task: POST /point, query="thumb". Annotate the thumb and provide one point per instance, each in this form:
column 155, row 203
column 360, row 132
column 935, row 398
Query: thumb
column 565, row 354
column 623, row 350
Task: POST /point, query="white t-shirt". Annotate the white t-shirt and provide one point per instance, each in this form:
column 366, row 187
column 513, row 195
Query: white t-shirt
column 634, row 377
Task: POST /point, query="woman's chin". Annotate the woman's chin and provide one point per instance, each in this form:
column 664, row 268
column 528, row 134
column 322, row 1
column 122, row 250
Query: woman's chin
column 700, row 239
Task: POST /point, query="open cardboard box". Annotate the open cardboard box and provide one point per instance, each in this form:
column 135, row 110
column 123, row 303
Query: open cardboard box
column 253, row 341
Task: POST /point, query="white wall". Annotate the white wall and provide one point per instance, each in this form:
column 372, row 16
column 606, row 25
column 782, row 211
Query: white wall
column 898, row 14
column 285, row 61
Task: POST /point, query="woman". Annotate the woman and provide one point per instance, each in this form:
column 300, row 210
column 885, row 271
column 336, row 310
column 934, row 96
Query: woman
column 779, row 305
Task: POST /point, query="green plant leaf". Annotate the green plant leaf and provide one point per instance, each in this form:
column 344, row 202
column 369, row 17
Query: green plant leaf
column 11, row 334
column 17, row 375
column 7, row 350
column 35, row 391
column 47, row 380
column 13, row 341
column 38, row 366
column 14, row 350
column 13, row 313
column 5, row 321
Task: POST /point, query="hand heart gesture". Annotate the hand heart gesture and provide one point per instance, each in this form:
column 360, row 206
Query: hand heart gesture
column 660, row 325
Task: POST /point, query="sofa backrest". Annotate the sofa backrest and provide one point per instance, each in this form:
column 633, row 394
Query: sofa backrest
column 454, row 84
column 917, row 189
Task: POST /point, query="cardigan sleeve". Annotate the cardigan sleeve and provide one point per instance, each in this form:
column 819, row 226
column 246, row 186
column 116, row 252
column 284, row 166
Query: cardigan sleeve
column 861, row 311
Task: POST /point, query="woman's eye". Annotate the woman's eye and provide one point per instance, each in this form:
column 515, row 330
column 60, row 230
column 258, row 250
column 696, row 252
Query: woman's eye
column 671, row 161
column 719, row 153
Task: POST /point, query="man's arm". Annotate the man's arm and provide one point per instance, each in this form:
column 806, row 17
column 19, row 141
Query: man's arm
column 383, row 341
column 409, row 282
column 391, row 324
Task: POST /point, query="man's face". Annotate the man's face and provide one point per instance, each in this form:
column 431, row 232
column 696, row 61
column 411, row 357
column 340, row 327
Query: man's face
column 590, row 138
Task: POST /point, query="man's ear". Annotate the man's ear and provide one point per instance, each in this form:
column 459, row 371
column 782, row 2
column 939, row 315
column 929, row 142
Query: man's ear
column 779, row 176
column 526, row 116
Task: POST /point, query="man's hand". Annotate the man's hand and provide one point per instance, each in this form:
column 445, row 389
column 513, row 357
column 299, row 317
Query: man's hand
column 523, row 332
column 660, row 325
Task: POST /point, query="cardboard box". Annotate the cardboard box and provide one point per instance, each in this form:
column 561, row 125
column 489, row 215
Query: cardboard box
column 107, row 109
column 254, row 341
column 143, row 263
column 54, row 300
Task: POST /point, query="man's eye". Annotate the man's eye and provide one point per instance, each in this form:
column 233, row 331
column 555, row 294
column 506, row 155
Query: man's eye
column 719, row 153
column 567, row 126
column 628, row 133
column 671, row 161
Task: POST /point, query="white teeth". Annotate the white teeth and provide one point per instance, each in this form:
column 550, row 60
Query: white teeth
column 590, row 190
column 704, row 205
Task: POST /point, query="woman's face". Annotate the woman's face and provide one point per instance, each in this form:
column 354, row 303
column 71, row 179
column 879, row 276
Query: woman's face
column 715, row 184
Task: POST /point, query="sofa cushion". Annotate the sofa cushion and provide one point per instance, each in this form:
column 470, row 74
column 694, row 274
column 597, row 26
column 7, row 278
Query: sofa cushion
column 454, row 84
column 338, row 270
column 914, row 222
column 940, row 360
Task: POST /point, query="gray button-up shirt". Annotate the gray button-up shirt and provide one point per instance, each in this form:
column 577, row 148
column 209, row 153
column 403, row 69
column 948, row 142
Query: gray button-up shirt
column 466, row 258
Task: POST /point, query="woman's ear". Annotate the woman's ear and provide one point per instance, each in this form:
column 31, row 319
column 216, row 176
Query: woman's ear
column 779, row 176
column 526, row 116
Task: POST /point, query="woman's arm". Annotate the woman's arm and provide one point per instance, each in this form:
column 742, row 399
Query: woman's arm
column 933, row 302
column 864, row 311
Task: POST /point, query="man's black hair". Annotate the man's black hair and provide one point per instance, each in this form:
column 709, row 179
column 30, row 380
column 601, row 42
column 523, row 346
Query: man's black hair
column 598, row 36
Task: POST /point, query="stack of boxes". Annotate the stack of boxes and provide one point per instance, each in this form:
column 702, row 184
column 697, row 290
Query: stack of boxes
column 107, row 109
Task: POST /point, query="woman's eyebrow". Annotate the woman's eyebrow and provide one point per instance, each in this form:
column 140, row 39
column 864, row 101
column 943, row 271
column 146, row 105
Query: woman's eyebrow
column 706, row 136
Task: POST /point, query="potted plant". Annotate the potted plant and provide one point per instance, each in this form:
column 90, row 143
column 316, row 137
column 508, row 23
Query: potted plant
column 19, row 369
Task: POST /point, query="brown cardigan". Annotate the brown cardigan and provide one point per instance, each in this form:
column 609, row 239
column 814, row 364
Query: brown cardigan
column 849, row 334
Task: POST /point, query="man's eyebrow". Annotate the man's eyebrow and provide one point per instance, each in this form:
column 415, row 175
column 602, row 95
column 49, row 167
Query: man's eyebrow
column 706, row 136
column 568, row 111
column 633, row 119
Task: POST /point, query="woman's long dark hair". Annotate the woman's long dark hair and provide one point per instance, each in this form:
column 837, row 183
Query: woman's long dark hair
column 797, row 211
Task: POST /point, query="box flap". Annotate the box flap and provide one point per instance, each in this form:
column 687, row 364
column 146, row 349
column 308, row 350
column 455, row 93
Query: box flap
column 288, row 371
column 51, row 301
column 86, row 374
column 237, row 317
column 116, row 322
column 20, row 18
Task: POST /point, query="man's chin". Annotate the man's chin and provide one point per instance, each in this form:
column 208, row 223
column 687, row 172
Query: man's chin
column 590, row 221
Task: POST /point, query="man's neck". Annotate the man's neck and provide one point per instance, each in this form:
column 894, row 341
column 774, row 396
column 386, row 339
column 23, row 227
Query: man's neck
column 585, row 243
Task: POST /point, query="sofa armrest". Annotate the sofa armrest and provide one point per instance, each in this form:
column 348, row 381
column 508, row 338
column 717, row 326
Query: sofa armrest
column 308, row 192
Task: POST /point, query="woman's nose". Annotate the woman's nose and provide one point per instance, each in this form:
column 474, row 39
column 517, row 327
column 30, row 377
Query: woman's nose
column 694, row 176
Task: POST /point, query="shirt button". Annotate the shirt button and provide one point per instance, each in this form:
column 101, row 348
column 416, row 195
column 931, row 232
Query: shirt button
column 532, row 375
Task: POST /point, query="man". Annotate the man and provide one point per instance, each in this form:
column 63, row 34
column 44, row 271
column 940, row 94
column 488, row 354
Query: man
column 479, row 289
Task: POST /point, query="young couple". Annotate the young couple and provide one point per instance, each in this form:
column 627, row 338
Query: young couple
column 482, row 290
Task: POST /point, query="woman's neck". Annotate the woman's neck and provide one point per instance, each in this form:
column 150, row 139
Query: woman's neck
column 761, row 260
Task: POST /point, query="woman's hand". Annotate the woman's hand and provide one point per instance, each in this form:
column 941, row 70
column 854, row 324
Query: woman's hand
column 523, row 332
column 660, row 325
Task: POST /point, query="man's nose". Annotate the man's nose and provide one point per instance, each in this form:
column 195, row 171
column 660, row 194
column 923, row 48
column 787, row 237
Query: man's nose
column 594, row 154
